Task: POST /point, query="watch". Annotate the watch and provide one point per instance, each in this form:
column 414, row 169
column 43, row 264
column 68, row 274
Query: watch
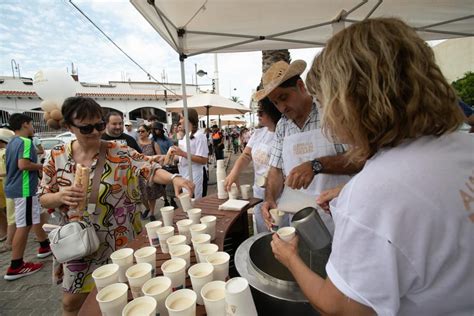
column 317, row 166
column 174, row 176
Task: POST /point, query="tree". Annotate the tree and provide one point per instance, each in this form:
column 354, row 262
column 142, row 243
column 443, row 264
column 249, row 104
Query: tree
column 269, row 57
column 465, row 88
column 236, row 99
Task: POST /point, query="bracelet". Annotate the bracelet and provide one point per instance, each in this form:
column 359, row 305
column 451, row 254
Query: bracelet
column 174, row 176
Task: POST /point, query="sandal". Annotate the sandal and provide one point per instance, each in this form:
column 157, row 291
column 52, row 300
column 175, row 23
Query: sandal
column 4, row 248
column 2, row 239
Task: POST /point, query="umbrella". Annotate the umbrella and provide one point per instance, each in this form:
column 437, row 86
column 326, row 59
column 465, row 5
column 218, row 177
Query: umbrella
column 228, row 119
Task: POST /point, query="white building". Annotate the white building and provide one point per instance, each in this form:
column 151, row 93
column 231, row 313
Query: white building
column 455, row 57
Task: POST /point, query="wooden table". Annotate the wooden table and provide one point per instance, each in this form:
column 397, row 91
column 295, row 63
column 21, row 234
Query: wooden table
column 231, row 229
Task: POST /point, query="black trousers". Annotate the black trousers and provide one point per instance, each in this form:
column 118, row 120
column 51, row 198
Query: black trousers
column 204, row 181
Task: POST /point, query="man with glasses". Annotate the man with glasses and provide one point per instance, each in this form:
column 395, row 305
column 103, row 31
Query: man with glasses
column 129, row 130
column 114, row 131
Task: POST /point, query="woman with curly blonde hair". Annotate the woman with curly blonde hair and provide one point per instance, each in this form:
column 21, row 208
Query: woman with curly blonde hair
column 403, row 225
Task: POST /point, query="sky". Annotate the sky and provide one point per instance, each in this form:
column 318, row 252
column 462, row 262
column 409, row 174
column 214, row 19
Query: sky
column 42, row 34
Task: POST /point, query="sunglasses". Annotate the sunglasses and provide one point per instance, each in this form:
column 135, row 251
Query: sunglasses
column 87, row 129
column 141, row 131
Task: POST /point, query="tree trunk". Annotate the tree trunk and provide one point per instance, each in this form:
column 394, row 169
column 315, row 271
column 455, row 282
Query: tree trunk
column 269, row 57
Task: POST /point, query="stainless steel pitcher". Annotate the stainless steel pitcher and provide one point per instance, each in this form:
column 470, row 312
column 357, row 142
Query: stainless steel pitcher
column 311, row 229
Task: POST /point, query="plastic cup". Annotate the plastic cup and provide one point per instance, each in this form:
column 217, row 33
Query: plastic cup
column 181, row 303
column 175, row 270
column 158, row 288
column 151, row 228
column 164, row 233
column 106, row 275
column 137, row 275
column 286, row 233
column 220, row 164
column 167, row 214
column 204, row 250
column 112, row 298
column 210, row 222
column 175, row 240
column 238, row 297
column 183, row 252
column 220, row 261
column 183, row 229
column 185, row 201
column 124, row 258
column 142, row 306
column 213, row 294
column 234, row 192
column 260, row 181
column 221, row 185
column 148, row 255
column 277, row 217
column 200, row 274
column 197, row 229
column 199, row 240
column 194, row 214
column 245, row 190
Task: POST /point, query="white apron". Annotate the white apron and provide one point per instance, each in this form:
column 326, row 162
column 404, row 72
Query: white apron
column 260, row 158
column 198, row 175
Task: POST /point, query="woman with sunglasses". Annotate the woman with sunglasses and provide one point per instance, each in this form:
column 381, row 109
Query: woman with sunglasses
column 257, row 150
column 117, row 216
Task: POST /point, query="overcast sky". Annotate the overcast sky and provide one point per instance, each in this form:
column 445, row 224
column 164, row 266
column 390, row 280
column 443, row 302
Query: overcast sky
column 42, row 34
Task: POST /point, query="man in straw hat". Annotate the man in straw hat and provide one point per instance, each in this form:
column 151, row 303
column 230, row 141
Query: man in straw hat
column 311, row 163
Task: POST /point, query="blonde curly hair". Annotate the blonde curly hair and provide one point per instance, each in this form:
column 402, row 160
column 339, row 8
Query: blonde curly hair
column 379, row 85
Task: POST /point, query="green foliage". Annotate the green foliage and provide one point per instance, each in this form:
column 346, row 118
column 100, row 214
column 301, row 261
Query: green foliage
column 465, row 87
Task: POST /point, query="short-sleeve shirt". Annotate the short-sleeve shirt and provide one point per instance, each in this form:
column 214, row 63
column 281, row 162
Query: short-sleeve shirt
column 123, row 139
column 20, row 183
column 165, row 143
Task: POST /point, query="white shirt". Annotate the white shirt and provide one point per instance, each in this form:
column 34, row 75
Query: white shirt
column 404, row 240
column 260, row 144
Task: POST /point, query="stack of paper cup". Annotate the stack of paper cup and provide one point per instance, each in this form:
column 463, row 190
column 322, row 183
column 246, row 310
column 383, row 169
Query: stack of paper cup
column 220, row 261
column 185, row 201
column 204, row 250
column 124, row 259
column 183, row 229
column 220, row 164
column 137, row 275
column 245, row 190
column 199, row 240
column 151, row 228
column 167, row 214
column 148, row 255
column 221, row 192
column 112, row 299
column 175, row 270
column 277, row 217
column 183, row 252
column 213, row 294
column 238, row 298
column 182, row 303
column 175, row 240
column 200, row 274
column 158, row 288
column 210, row 222
column 143, row 306
column 164, row 233
column 234, row 192
column 197, row 229
column 106, row 275
column 194, row 214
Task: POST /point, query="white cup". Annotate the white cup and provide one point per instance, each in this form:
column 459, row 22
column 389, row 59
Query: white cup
column 141, row 306
column 199, row 240
column 234, row 192
column 124, row 258
column 185, row 201
column 148, row 255
column 245, row 190
column 286, row 233
column 194, row 214
column 158, row 288
column 112, row 298
column 167, row 214
column 175, row 240
column 197, row 229
column 137, row 275
column 181, row 303
column 204, row 250
column 239, row 298
column 200, row 274
column 151, row 228
column 220, row 261
column 213, row 294
column 106, row 275
column 183, row 229
column 277, row 217
column 183, row 252
column 164, row 233
column 222, row 194
column 260, row 181
column 210, row 222
column 175, row 270
column 220, row 164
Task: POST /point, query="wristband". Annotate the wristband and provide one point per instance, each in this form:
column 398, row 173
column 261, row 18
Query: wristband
column 174, row 176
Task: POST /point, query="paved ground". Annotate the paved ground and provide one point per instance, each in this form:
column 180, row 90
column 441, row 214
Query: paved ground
column 34, row 295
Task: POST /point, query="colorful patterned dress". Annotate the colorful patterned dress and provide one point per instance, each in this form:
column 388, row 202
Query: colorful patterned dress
column 117, row 216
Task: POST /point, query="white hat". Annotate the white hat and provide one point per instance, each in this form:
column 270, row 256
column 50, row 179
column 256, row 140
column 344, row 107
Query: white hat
column 6, row 134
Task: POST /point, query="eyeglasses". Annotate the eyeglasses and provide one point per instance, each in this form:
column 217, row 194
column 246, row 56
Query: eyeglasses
column 141, row 131
column 87, row 129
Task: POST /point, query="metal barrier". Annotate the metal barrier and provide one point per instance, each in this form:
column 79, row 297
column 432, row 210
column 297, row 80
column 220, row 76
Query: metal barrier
column 41, row 129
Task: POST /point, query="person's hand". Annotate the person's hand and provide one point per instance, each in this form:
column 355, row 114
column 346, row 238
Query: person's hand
column 180, row 183
column 300, row 176
column 326, row 196
column 175, row 150
column 71, row 196
column 266, row 207
column 284, row 251
column 229, row 180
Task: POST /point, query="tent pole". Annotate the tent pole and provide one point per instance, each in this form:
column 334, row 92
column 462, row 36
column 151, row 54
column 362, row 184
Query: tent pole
column 207, row 113
column 186, row 119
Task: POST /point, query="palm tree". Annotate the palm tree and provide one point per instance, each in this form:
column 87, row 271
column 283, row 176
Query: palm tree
column 269, row 57
column 236, row 99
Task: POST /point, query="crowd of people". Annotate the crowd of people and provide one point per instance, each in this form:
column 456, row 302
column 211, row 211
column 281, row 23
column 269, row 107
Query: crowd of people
column 372, row 136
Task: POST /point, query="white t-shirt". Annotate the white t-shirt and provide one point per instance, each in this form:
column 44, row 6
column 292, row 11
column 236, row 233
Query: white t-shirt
column 404, row 240
column 261, row 144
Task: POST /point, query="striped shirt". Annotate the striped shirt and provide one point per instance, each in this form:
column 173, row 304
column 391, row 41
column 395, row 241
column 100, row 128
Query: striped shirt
column 20, row 183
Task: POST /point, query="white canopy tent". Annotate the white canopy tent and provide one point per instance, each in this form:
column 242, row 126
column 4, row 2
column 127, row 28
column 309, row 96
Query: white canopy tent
column 193, row 27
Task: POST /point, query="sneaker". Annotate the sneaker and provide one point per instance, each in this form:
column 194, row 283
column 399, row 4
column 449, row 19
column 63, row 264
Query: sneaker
column 26, row 269
column 44, row 252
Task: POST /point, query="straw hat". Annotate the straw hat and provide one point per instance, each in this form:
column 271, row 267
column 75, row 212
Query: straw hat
column 278, row 73
column 6, row 135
